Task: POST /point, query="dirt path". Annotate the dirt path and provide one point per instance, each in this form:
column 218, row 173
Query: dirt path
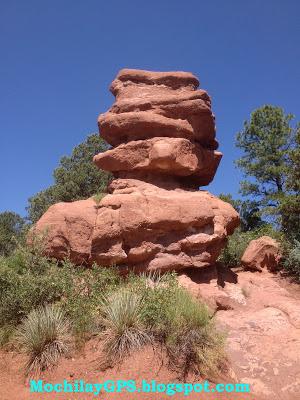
column 261, row 314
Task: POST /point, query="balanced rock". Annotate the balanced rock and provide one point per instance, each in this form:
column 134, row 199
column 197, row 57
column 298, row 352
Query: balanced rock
column 156, row 104
column 263, row 252
column 153, row 217
column 141, row 225
column 168, row 156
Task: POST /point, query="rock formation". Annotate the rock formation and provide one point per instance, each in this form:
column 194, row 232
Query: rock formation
column 154, row 217
column 263, row 252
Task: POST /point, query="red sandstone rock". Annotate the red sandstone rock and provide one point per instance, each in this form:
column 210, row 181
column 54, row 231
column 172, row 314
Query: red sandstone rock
column 153, row 217
column 170, row 156
column 158, row 104
column 120, row 128
column 261, row 253
column 173, row 79
column 140, row 225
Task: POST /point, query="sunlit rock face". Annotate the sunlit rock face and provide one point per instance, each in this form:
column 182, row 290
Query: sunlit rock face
column 153, row 217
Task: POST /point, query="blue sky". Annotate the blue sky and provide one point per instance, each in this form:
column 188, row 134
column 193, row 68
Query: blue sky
column 59, row 57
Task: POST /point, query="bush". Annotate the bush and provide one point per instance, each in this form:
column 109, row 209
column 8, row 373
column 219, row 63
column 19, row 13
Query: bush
column 292, row 260
column 237, row 243
column 44, row 335
column 191, row 340
column 127, row 312
column 28, row 280
column 12, row 228
column 155, row 309
column 22, row 288
column 81, row 299
column 121, row 321
column 157, row 292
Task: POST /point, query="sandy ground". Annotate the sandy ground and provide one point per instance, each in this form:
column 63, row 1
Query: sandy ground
column 259, row 312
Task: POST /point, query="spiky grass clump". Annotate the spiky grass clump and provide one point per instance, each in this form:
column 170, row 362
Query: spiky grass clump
column 44, row 336
column 123, row 331
column 191, row 340
column 154, row 309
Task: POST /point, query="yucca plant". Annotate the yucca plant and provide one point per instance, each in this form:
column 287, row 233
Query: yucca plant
column 44, row 336
column 192, row 342
column 123, row 330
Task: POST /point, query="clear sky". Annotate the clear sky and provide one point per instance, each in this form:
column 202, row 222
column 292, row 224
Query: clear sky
column 59, row 57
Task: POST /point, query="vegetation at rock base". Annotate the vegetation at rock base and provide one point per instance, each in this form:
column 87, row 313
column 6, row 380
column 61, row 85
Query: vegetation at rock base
column 270, row 161
column 126, row 313
column 122, row 328
column 239, row 240
column 44, row 334
column 292, row 259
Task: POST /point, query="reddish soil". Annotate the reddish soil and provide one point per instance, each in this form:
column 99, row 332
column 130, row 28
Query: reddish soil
column 262, row 320
column 144, row 365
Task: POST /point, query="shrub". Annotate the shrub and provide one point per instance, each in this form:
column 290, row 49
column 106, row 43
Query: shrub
column 81, row 299
column 153, row 308
column 23, row 289
column 121, row 320
column 191, row 340
column 292, row 260
column 44, row 335
column 28, row 280
column 157, row 292
column 235, row 247
column 134, row 310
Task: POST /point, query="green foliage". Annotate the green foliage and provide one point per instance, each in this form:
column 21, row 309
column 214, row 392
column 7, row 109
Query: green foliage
column 248, row 211
column 235, row 247
column 192, row 342
column 81, row 299
column 12, row 227
column 127, row 312
column 122, row 328
column 290, row 204
column 157, row 292
column 270, row 146
column 154, row 309
column 28, row 280
column 290, row 216
column 75, row 178
column 98, row 197
column 292, row 260
column 239, row 240
column 45, row 336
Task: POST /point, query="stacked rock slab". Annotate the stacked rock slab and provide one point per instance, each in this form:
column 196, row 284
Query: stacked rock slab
column 154, row 217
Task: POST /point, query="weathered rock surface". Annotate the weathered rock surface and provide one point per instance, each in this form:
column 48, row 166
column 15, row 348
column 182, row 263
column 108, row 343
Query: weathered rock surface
column 151, row 104
column 153, row 217
column 263, row 252
column 140, row 225
column 261, row 315
column 170, row 156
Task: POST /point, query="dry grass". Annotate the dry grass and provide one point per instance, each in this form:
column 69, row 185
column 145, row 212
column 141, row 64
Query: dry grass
column 192, row 342
column 44, row 336
column 122, row 328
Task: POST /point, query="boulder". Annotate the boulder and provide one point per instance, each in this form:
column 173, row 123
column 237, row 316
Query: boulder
column 142, row 226
column 153, row 217
column 169, row 156
column 263, row 252
column 151, row 104
column 171, row 79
